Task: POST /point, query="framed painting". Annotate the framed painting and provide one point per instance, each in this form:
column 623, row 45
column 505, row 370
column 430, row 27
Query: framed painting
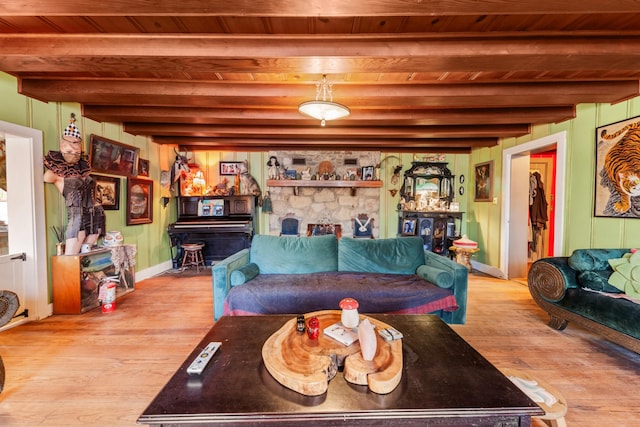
column 143, row 167
column 409, row 226
column 230, row 168
column 484, row 182
column 107, row 191
column 617, row 180
column 112, row 157
column 139, row 201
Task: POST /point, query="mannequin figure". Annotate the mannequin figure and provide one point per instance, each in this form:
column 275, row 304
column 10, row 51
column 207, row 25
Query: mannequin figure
column 70, row 173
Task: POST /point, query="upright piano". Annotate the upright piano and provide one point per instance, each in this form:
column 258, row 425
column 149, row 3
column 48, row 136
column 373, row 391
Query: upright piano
column 224, row 225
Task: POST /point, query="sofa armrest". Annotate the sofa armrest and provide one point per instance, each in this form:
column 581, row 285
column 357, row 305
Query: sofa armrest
column 460, row 284
column 549, row 278
column 221, row 278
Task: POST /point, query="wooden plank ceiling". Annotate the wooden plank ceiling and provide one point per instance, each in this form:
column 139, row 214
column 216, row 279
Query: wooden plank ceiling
column 444, row 76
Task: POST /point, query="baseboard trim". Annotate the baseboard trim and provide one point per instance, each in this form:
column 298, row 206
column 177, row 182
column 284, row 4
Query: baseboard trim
column 153, row 270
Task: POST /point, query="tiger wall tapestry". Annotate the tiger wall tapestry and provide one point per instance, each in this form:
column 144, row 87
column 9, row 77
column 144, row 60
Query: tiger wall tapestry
column 618, row 169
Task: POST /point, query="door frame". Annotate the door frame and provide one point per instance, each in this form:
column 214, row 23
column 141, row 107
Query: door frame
column 26, row 212
column 559, row 140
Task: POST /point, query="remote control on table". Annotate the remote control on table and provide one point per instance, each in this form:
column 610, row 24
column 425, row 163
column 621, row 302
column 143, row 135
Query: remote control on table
column 200, row 362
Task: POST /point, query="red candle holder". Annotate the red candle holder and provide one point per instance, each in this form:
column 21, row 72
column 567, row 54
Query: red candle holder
column 313, row 328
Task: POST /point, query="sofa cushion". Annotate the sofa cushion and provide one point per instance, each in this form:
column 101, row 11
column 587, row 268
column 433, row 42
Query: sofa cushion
column 594, row 259
column 244, row 274
column 435, row 275
column 597, row 280
column 304, row 293
column 294, row 255
column 402, row 255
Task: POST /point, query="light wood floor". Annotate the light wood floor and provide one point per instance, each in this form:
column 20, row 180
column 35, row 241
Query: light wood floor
column 104, row 369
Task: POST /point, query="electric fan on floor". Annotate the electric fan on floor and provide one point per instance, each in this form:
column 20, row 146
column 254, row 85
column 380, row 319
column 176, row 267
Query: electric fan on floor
column 9, row 304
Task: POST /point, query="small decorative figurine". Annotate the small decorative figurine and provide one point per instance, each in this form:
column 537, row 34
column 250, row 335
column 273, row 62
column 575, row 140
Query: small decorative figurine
column 349, row 316
column 273, row 165
column 300, row 324
column 313, row 328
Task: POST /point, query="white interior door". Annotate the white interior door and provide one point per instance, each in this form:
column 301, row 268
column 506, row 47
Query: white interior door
column 509, row 245
column 518, row 217
column 26, row 222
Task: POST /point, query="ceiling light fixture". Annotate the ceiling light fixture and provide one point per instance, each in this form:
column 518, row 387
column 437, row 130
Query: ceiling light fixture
column 321, row 109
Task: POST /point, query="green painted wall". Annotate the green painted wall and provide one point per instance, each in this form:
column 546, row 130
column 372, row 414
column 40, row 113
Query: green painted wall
column 151, row 239
column 482, row 220
column 582, row 228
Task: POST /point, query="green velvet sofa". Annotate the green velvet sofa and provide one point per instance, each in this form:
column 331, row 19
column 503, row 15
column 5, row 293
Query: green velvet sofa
column 294, row 275
column 576, row 289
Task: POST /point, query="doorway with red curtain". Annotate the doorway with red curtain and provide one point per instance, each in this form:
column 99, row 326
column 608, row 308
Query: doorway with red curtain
column 543, row 165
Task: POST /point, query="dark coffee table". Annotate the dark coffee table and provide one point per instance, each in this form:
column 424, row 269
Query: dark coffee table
column 445, row 382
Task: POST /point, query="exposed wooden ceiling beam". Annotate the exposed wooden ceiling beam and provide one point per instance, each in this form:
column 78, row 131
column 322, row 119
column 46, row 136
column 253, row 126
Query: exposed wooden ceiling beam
column 328, row 132
column 317, row 53
column 325, row 8
column 323, row 147
column 209, row 94
column 110, row 113
column 445, row 145
column 61, row 88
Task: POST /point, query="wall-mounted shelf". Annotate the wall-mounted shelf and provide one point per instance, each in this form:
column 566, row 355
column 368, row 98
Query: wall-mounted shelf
column 297, row 183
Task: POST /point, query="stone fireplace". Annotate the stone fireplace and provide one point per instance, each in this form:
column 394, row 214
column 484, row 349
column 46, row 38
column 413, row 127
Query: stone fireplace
column 322, row 205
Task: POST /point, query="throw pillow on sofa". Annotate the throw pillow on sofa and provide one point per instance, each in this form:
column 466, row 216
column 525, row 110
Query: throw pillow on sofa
column 294, row 255
column 597, row 281
column 400, row 255
column 435, row 275
column 593, row 259
column 244, row 274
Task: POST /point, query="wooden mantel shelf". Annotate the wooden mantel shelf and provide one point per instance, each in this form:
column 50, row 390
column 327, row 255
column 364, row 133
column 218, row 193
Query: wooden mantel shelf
column 297, row 183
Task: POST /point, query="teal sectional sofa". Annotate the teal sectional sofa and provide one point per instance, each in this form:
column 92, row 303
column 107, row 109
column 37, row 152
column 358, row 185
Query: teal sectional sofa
column 294, row 275
column 576, row 289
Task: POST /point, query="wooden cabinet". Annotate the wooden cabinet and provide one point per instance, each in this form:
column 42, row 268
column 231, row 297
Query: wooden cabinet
column 76, row 280
column 427, row 186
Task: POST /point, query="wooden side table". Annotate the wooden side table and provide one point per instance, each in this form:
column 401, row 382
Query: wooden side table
column 463, row 255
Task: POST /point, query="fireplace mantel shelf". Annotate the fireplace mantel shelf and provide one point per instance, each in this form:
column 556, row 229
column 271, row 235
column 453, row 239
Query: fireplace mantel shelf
column 297, row 183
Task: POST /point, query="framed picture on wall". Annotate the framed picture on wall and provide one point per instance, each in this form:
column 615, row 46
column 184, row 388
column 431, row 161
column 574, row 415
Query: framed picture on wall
column 484, row 182
column 143, row 167
column 230, row 168
column 139, row 201
column 617, row 186
column 107, row 191
column 112, row 157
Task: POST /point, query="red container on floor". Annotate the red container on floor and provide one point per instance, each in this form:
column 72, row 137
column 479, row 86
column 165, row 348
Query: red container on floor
column 109, row 300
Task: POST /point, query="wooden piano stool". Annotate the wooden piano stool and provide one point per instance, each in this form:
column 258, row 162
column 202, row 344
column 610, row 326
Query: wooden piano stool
column 193, row 256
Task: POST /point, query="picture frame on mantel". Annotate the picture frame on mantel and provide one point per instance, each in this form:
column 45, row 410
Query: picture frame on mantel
column 616, row 185
column 484, row 182
column 139, row 201
column 113, row 157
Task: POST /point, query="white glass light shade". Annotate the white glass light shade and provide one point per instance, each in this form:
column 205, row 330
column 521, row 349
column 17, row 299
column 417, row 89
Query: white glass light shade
column 321, row 108
column 324, row 110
